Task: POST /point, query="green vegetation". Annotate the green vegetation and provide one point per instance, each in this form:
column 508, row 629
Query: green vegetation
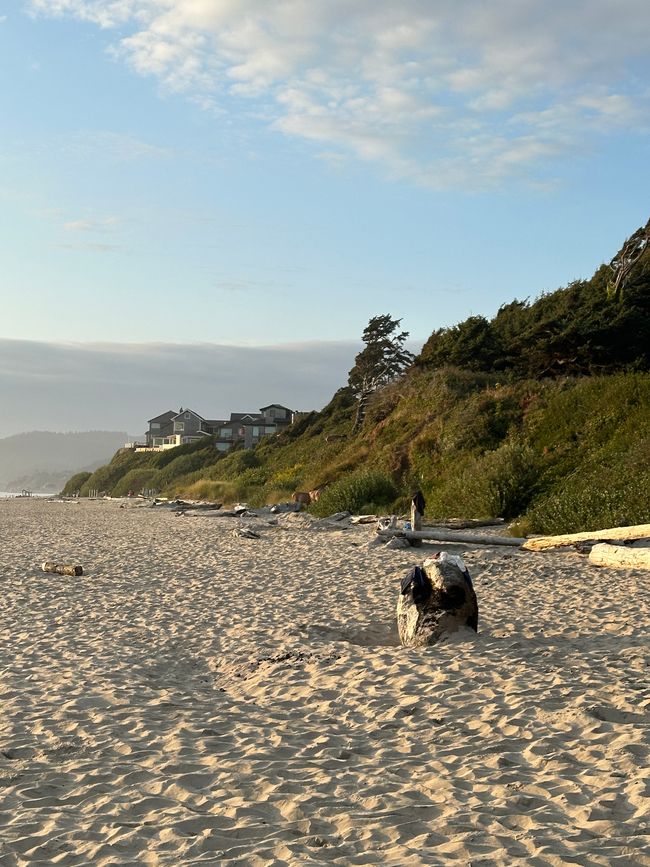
column 541, row 415
column 75, row 483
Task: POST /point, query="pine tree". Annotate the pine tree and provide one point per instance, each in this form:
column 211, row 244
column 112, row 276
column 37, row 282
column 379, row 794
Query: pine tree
column 382, row 360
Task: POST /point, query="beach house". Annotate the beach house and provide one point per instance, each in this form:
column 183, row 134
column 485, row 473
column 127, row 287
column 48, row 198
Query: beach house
column 171, row 429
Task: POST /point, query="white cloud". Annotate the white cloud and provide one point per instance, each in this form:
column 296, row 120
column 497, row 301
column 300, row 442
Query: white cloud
column 90, row 248
column 113, row 146
column 445, row 93
column 91, row 225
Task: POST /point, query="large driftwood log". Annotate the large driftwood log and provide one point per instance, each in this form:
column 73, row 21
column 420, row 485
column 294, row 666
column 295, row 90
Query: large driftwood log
column 62, row 568
column 436, row 599
column 613, row 534
column 436, row 535
column 620, row 556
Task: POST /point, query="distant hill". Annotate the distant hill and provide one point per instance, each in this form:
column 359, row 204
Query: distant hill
column 42, row 460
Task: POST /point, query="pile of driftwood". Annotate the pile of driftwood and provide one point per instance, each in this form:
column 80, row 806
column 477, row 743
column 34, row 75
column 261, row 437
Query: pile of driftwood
column 624, row 547
column 633, row 553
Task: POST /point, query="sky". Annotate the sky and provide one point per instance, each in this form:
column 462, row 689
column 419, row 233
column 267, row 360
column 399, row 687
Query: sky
column 229, row 174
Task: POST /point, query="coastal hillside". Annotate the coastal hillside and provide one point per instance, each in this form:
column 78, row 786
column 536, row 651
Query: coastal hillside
column 42, row 460
column 540, row 415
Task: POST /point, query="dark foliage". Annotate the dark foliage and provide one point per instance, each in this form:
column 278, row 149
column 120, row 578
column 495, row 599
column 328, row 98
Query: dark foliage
column 578, row 330
column 383, row 357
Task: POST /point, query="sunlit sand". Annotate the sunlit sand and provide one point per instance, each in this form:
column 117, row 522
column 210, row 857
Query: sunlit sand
column 196, row 698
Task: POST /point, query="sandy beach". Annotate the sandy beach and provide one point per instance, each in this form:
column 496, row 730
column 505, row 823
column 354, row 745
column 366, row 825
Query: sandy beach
column 197, row 698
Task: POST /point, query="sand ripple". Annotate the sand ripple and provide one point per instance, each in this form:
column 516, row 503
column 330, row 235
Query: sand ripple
column 195, row 698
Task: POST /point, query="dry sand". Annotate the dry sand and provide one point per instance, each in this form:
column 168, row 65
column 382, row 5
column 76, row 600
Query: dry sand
column 195, row 698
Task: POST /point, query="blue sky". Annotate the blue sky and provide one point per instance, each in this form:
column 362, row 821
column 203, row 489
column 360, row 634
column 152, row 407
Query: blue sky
column 246, row 173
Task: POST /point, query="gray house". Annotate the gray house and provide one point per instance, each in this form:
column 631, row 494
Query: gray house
column 160, row 428
column 175, row 428
column 190, row 426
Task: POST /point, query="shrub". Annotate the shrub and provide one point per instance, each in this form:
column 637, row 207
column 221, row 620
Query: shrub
column 143, row 478
column 208, row 489
column 249, row 484
column 356, row 492
column 106, row 478
column 500, row 483
column 186, row 463
column 605, row 498
column 74, row 484
column 236, row 462
column 288, row 479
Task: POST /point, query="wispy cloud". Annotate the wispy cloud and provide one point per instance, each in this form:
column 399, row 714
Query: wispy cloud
column 447, row 94
column 89, row 247
column 104, row 224
column 114, row 146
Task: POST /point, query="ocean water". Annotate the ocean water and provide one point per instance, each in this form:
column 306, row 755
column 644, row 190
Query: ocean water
column 8, row 495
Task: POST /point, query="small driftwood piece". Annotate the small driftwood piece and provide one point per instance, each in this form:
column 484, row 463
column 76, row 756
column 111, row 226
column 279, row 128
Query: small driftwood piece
column 620, row 556
column 245, row 533
column 364, row 519
column 613, row 534
column 435, row 535
column 62, row 568
column 417, row 513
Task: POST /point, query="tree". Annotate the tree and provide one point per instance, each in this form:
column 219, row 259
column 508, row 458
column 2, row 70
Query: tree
column 622, row 264
column 382, row 360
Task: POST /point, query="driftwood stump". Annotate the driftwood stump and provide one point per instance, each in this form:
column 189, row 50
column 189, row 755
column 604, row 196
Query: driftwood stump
column 62, row 568
column 436, row 599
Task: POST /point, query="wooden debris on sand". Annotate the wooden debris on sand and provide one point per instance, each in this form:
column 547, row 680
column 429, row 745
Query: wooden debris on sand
column 436, row 535
column 245, row 533
column 612, row 534
column 436, row 599
column 62, row 568
column 620, row 556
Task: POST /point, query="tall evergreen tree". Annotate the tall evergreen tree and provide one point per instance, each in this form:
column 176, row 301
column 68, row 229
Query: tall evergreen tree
column 382, row 360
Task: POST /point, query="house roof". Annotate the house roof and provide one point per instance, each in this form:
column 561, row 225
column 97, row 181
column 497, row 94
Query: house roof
column 183, row 411
column 241, row 416
column 275, row 406
column 166, row 416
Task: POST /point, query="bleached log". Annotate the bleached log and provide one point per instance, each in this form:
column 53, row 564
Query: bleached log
column 62, row 568
column 620, row 556
column 613, row 534
column 416, row 522
column 435, row 535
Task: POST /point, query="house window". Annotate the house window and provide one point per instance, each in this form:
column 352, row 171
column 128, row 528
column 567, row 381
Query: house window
column 256, row 431
column 158, row 441
column 225, row 433
column 223, row 447
column 179, row 426
column 155, row 425
column 187, row 415
column 269, row 429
